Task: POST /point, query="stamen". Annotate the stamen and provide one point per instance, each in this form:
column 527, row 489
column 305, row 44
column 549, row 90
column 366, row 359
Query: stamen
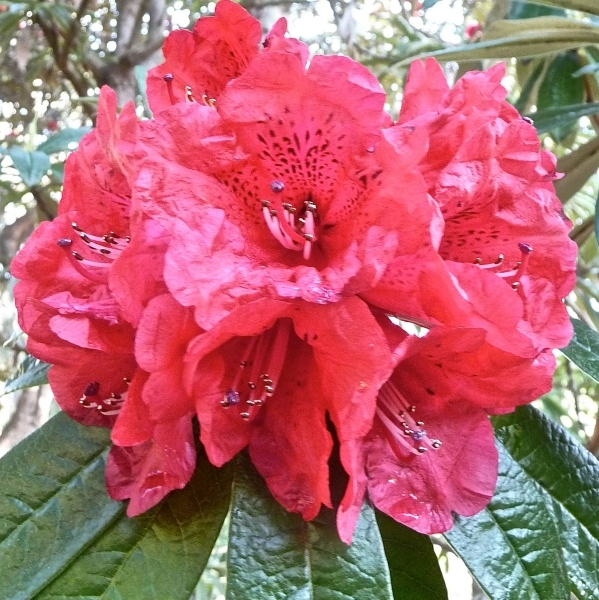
column 108, row 406
column 517, row 272
column 168, row 78
column 188, row 94
column 284, row 229
column 265, row 355
column 211, row 102
column 404, row 432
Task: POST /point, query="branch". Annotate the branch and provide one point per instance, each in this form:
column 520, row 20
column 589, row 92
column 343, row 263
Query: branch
column 69, row 38
column 42, row 202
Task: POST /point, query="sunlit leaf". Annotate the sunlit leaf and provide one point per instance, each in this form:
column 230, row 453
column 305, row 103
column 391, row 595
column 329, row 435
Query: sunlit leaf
column 32, row 166
column 65, row 139
column 29, row 373
column 551, row 118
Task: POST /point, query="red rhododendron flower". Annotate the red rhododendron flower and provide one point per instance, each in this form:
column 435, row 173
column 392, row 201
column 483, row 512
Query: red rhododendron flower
column 277, row 231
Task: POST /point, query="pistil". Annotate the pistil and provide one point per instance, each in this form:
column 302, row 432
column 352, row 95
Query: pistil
column 405, row 432
column 259, row 370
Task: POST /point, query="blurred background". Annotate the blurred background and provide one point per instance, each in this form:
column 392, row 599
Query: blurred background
column 55, row 56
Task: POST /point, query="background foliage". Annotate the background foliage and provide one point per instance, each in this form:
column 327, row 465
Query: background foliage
column 539, row 537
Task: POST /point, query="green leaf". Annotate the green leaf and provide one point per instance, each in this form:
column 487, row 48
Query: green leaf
column 61, row 536
column 32, row 166
column 57, row 170
column 275, row 555
column 578, row 167
column 523, row 38
column 160, row 554
column 512, row 547
column 65, row 139
column 9, row 22
column 556, row 117
column 412, row 561
column 588, row 6
column 29, row 373
column 529, row 86
column 520, row 9
column 429, row 4
column 560, row 88
column 583, row 350
column 53, row 502
column 569, row 477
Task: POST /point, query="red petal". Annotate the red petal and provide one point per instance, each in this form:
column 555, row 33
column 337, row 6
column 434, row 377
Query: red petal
column 148, row 472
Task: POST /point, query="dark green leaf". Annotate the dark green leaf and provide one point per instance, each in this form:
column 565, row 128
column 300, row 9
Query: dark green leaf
column 160, row 554
column 589, row 6
column 9, row 22
column 275, row 555
column 412, row 561
column 29, row 373
column 528, row 87
column 568, row 475
column 32, row 166
column 61, row 536
column 560, row 88
column 583, row 350
column 58, row 172
column 520, row 9
column 65, row 139
column 429, row 4
column 53, row 502
column 556, row 117
column 512, row 547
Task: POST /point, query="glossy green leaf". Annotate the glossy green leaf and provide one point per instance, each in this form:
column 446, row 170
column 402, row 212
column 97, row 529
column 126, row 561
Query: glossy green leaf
column 29, row 373
column 275, row 555
column 64, row 140
column 160, row 554
column 583, row 350
column 512, row 547
column 568, row 476
column 560, row 88
column 551, row 118
column 412, row 561
column 53, row 502
column 32, row 166
column 61, row 536
column 588, row 6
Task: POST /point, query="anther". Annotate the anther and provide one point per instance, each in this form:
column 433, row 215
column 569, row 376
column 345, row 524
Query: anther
column 421, row 449
column 258, row 402
column 168, row 77
column 308, row 237
column 189, row 94
column 115, row 396
column 64, row 242
column 525, row 248
column 126, row 380
column 104, row 251
column 251, row 385
column 499, row 259
column 77, row 256
column 436, row 444
column 420, row 423
column 84, row 237
column 245, row 415
column 412, row 408
column 75, row 226
column 528, row 120
column 515, row 285
column 269, row 390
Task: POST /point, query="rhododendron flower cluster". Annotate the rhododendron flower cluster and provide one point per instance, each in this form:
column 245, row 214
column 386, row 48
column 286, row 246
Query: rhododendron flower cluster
column 273, row 255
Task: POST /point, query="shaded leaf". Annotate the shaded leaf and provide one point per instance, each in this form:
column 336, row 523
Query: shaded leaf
column 512, row 547
column 556, row 117
column 560, row 88
column 275, row 555
column 412, row 561
column 589, row 6
column 32, row 166
column 569, row 476
column 583, row 350
column 29, row 373
column 9, row 23
column 521, row 9
column 65, row 139
column 429, row 4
